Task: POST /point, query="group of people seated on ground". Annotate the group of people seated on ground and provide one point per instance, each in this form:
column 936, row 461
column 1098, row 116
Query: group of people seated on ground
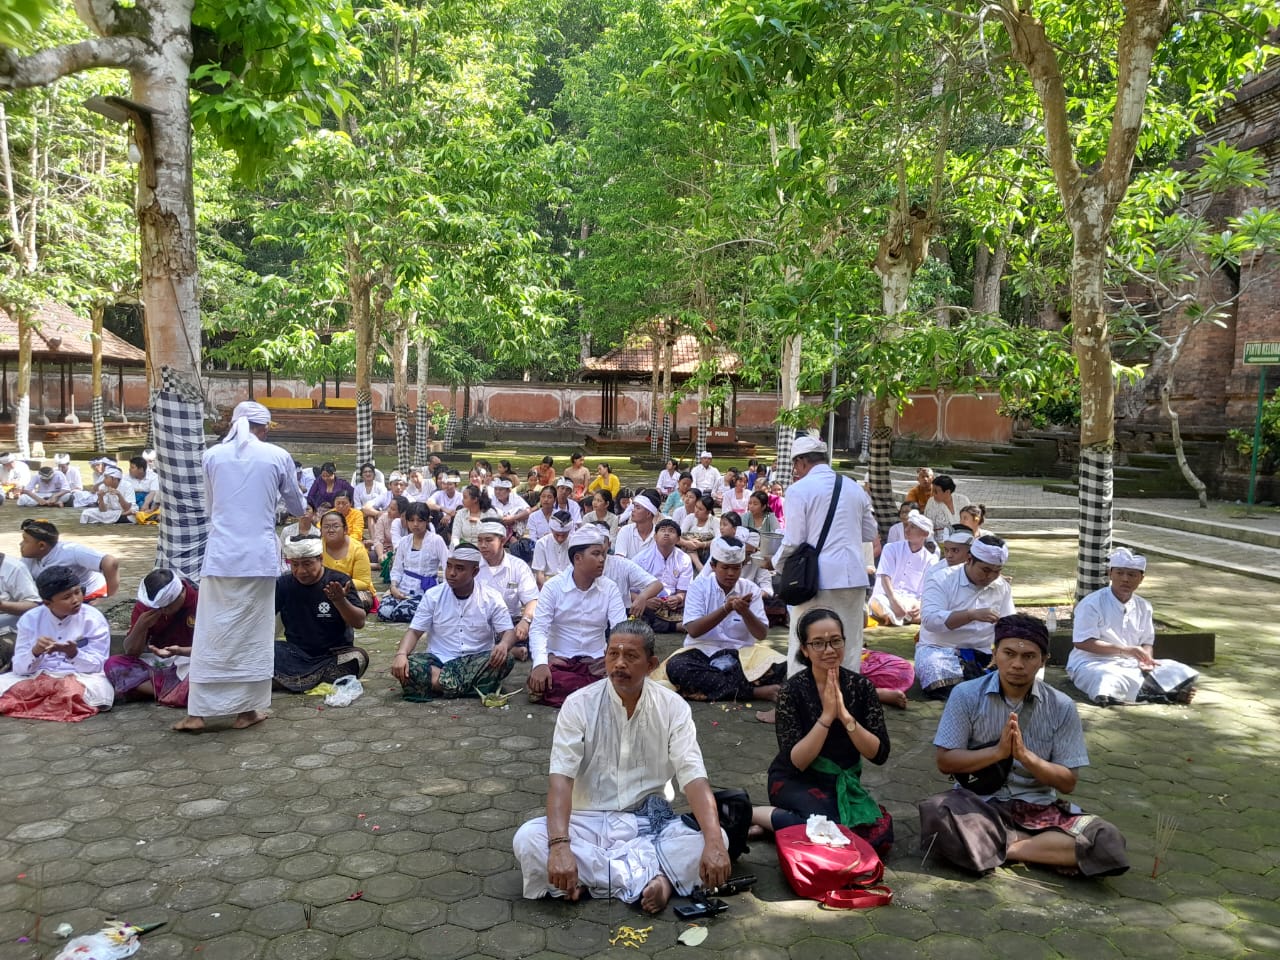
column 114, row 494
column 586, row 609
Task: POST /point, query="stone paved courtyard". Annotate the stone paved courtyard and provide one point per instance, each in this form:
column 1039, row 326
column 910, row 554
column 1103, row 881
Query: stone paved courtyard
column 252, row 844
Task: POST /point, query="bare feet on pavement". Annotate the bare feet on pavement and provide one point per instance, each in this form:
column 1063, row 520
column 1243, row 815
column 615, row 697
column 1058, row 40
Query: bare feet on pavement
column 656, row 894
column 767, row 716
column 248, row 719
column 189, row 725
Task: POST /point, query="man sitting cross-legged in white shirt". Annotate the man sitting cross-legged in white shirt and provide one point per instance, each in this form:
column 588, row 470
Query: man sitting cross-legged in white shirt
column 609, row 830
column 469, row 636
column 900, row 576
column 671, row 565
column 575, row 611
column 724, row 616
column 1113, row 637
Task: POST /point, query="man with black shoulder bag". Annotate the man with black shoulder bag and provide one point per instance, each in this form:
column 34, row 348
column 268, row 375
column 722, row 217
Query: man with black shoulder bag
column 828, row 518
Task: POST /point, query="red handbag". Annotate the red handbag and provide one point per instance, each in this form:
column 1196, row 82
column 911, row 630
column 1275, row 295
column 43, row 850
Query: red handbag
column 846, row 878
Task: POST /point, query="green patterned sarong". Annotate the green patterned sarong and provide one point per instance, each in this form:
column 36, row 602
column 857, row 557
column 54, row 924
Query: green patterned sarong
column 460, row 677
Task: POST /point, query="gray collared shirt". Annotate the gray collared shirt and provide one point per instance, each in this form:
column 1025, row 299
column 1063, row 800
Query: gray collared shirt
column 975, row 716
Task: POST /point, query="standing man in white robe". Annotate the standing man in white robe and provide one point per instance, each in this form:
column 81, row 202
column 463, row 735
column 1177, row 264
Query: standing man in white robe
column 232, row 660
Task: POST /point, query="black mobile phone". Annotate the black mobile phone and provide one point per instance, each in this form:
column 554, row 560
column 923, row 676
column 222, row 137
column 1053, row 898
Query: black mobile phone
column 700, row 908
column 733, row 885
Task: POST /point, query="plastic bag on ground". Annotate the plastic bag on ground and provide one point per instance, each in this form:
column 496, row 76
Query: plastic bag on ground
column 346, row 690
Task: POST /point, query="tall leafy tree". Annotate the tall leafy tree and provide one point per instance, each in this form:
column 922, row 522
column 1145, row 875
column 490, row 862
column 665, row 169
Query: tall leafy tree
column 250, row 73
column 1112, row 83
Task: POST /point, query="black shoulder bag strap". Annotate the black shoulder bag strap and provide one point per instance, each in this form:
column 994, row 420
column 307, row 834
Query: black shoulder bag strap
column 831, row 512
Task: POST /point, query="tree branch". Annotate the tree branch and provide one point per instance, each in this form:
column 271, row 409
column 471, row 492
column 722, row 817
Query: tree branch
column 46, row 66
column 1145, row 24
column 1032, row 49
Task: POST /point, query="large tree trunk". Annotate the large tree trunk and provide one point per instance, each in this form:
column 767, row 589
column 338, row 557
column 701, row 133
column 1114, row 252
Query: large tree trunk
column 98, row 409
column 659, row 334
column 422, row 425
column 1097, row 415
column 358, row 289
column 400, row 396
column 988, row 268
column 22, row 415
column 789, row 400
column 167, row 243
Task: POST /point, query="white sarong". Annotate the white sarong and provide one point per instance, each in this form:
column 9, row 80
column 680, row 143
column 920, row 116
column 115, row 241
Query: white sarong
column 614, row 860
column 1120, row 678
column 233, row 650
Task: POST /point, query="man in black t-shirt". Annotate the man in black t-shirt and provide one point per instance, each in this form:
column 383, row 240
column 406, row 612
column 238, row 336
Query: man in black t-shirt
column 320, row 611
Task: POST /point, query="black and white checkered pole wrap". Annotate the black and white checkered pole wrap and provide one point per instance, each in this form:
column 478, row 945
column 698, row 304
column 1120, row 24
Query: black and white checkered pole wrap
column 421, row 434
column 404, row 447
column 450, row 431
column 782, row 472
column 151, row 423
column 364, row 426
column 1095, row 519
column 654, row 439
column 177, row 416
column 881, row 483
column 98, row 412
column 700, row 442
column 666, row 436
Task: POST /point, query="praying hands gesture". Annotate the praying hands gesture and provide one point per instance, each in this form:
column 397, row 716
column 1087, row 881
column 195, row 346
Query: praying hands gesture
column 833, row 705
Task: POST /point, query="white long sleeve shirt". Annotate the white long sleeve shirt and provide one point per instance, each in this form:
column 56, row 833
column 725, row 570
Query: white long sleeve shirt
column 570, row 622
column 242, row 488
column 854, row 523
column 951, row 590
column 460, row 626
column 615, row 761
column 87, row 628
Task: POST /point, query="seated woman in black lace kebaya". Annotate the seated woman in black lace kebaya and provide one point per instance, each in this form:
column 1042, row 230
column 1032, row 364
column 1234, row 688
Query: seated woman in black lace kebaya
column 829, row 719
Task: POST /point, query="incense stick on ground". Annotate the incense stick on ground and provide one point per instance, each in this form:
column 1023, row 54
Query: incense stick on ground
column 1166, row 827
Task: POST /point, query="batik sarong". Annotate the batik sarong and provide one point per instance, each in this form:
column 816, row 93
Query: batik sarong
column 468, row 676
column 128, row 673
column 299, row 671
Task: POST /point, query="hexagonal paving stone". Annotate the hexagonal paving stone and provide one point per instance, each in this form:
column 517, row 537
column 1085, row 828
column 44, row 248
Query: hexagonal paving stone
column 366, row 864
column 460, row 841
column 1206, row 940
column 450, row 887
column 389, row 887
column 442, row 943
column 195, row 894
column 946, row 946
column 424, row 863
column 286, row 845
column 217, row 920
column 304, row 945
column 39, row 830
column 412, row 916
column 345, row 917
column 305, row 866
column 235, row 946
column 375, row 944
column 255, row 893
column 275, row 919
column 321, row 891
column 512, row 941
column 480, row 913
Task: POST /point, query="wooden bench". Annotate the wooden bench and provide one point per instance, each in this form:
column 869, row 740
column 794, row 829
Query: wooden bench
column 286, row 403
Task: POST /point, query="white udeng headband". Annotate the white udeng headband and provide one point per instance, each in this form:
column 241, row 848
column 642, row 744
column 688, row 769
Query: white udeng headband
column 987, row 553
column 170, row 592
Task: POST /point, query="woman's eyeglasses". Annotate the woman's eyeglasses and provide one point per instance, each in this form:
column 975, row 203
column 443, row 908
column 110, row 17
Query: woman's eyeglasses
column 821, row 645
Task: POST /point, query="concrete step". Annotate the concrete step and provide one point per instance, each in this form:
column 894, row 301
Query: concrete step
column 970, row 466
column 1064, row 487
column 1156, row 461
column 1128, row 471
column 1208, row 528
column 1003, row 513
column 1048, row 528
column 1246, row 559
